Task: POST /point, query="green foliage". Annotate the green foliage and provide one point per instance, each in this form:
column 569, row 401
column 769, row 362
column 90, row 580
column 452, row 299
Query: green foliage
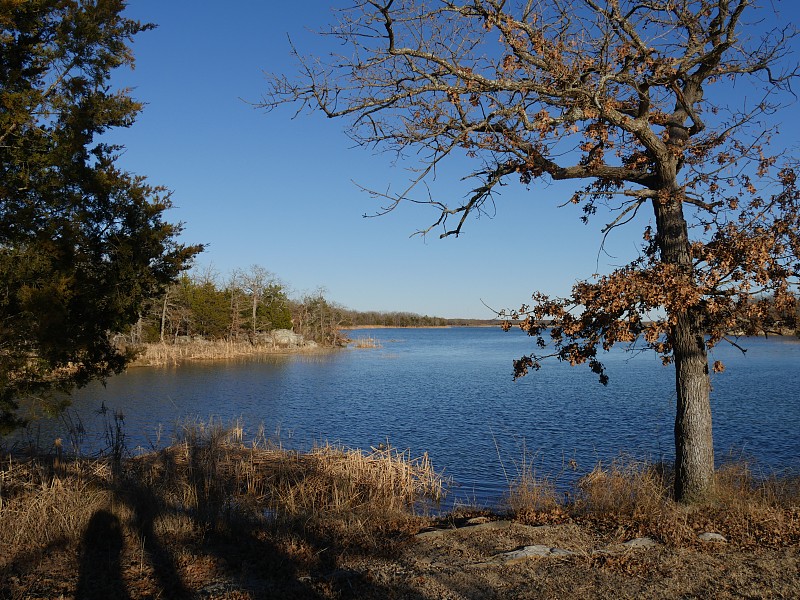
column 399, row 319
column 82, row 243
column 207, row 305
column 274, row 311
column 198, row 306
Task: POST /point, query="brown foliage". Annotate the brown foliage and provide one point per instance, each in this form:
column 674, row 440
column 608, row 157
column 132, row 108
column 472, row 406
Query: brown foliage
column 617, row 94
column 627, row 498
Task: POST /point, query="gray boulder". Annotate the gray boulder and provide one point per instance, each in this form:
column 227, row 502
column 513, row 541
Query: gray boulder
column 285, row 338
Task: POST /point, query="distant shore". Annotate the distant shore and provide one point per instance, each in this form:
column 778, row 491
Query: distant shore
column 161, row 354
column 355, row 327
column 450, row 326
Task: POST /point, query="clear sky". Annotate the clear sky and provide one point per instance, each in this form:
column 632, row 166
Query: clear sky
column 263, row 188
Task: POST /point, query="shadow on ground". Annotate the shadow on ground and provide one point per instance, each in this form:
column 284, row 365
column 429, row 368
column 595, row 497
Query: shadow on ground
column 216, row 551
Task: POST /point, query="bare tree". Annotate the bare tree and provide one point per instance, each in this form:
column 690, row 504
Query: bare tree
column 612, row 93
column 236, row 297
column 256, row 281
column 317, row 319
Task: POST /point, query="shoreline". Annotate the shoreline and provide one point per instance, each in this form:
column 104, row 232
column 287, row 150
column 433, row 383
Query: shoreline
column 162, row 354
column 357, row 327
column 213, row 517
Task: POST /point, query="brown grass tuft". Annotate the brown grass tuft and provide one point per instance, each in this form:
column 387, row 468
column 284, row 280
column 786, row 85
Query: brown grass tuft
column 44, row 502
column 529, row 496
column 341, row 483
column 210, row 481
column 628, row 498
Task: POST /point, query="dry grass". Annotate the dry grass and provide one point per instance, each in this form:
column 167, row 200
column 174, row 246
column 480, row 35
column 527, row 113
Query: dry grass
column 628, row 498
column 162, row 354
column 212, row 511
column 211, row 478
column 335, row 483
column 366, row 342
column 208, row 492
column 530, row 495
column 42, row 503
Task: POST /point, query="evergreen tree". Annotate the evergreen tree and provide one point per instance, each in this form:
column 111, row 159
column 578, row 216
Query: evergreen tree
column 82, row 243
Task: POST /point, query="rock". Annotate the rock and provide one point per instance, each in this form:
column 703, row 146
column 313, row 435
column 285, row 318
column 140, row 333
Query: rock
column 711, row 537
column 642, row 542
column 478, row 524
column 286, row 338
column 536, row 551
column 490, row 525
column 433, row 533
column 470, row 527
column 539, row 550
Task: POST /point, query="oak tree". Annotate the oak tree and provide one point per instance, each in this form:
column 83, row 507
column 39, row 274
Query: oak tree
column 663, row 106
column 82, row 242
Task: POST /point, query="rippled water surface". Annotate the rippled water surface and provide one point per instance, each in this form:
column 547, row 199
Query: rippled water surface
column 450, row 392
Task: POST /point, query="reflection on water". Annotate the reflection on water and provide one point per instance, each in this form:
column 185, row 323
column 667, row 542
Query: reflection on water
column 450, row 392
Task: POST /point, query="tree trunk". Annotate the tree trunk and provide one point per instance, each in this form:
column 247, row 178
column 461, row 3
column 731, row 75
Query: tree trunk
column 694, row 444
column 255, row 308
column 694, row 448
column 164, row 314
column 136, row 332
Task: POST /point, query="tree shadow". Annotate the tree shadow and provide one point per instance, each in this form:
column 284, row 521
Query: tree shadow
column 146, row 506
column 264, row 569
column 260, row 557
column 100, row 574
column 176, row 508
column 18, row 568
column 270, row 559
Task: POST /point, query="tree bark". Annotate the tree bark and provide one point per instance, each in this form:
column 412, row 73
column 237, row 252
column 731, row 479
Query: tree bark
column 694, row 448
column 255, row 308
column 164, row 314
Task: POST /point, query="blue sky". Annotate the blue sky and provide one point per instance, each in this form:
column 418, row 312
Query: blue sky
column 263, row 188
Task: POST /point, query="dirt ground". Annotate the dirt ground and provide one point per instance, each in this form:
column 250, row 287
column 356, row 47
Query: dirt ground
column 450, row 561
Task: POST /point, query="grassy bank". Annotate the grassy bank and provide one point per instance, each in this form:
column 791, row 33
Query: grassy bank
column 632, row 499
column 207, row 498
column 213, row 517
column 161, row 354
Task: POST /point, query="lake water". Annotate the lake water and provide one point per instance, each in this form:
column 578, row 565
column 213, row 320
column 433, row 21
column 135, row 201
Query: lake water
column 450, row 392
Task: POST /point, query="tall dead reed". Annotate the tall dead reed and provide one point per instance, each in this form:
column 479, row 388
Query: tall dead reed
column 211, row 479
column 530, row 494
column 365, row 342
column 164, row 355
column 333, row 481
column 42, row 503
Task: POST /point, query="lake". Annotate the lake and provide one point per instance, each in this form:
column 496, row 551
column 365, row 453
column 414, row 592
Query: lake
column 450, row 392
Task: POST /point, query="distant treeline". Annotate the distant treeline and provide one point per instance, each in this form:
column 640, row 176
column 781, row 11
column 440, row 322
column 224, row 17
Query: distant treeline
column 353, row 318
column 246, row 306
column 251, row 303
